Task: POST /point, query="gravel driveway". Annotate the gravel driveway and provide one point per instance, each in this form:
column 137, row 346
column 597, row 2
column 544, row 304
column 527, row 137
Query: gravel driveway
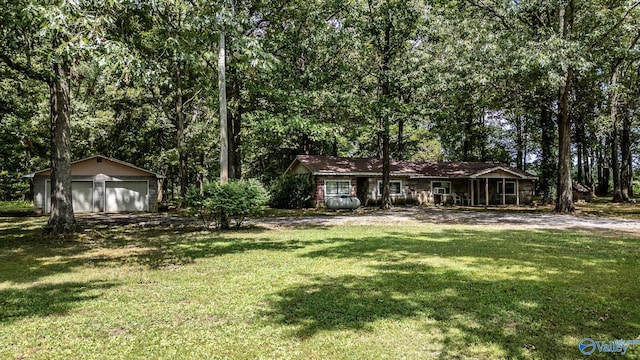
column 394, row 217
column 414, row 215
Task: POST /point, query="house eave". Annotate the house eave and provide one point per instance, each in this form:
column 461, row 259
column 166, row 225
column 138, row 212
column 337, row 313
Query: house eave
column 429, row 177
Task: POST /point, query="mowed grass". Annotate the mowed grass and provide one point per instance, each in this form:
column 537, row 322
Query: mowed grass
column 429, row 291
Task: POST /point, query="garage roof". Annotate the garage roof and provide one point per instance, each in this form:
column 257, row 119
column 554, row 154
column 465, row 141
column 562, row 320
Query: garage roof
column 100, row 164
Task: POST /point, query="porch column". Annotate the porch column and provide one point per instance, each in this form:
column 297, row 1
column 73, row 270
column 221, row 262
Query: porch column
column 517, row 192
column 486, row 192
column 504, row 196
column 472, row 197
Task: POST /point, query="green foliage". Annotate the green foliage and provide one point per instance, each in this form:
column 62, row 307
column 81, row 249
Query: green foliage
column 291, row 192
column 12, row 186
column 218, row 204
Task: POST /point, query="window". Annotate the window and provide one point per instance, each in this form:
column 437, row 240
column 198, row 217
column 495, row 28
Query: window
column 441, row 187
column 337, row 187
column 509, row 186
column 395, row 187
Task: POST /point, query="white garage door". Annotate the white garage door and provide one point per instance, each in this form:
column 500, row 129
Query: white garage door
column 81, row 193
column 126, row 196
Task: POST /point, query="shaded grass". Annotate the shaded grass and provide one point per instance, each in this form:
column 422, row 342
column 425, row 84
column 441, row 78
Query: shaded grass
column 15, row 208
column 604, row 207
column 327, row 292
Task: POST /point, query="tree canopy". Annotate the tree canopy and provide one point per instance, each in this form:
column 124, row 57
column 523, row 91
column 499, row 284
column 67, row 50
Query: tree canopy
column 548, row 86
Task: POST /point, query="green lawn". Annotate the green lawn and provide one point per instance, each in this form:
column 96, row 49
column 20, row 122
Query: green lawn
column 314, row 293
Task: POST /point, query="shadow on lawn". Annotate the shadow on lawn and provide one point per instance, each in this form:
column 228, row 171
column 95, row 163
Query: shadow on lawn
column 47, row 299
column 161, row 248
column 26, row 256
column 527, row 292
column 26, row 253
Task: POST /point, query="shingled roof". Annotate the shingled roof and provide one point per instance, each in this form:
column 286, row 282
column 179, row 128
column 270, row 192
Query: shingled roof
column 333, row 165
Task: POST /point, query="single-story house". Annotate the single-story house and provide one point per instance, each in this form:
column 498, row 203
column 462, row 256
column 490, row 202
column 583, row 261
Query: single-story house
column 462, row 183
column 101, row 184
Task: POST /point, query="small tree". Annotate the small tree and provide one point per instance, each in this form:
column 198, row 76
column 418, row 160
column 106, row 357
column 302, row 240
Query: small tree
column 220, row 203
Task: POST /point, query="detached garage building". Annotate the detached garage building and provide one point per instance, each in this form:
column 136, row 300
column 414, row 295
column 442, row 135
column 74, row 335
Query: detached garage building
column 101, row 184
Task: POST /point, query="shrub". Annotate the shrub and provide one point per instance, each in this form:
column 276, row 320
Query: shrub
column 291, row 192
column 219, row 204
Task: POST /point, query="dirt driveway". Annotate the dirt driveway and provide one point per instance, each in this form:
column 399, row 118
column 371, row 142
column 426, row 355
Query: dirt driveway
column 396, row 216
column 414, row 215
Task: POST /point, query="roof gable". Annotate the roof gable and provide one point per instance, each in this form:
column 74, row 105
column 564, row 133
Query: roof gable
column 99, row 164
column 501, row 171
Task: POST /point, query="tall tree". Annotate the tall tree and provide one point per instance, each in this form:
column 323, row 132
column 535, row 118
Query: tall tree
column 42, row 41
column 389, row 30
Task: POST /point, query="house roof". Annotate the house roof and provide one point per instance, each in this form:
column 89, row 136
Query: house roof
column 333, row 165
column 343, row 166
column 115, row 163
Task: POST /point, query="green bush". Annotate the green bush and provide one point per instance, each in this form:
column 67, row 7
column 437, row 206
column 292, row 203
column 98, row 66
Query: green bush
column 220, row 204
column 291, row 192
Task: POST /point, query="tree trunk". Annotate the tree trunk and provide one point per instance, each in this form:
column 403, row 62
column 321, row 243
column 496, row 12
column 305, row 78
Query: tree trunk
column 161, row 186
column 182, row 151
column 467, row 146
column 230, row 138
column 61, row 218
column 548, row 163
column 386, row 167
column 385, row 116
column 237, row 140
column 602, row 184
column 201, row 173
column 222, row 90
column 400, row 152
column 579, row 147
column 519, row 144
column 564, row 195
column 625, row 154
column 615, row 164
column 525, row 146
column 630, row 176
column 606, row 167
column 579, row 164
column 235, row 113
column 587, row 162
column 483, row 136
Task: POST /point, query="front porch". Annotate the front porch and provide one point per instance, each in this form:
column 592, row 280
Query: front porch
column 498, row 191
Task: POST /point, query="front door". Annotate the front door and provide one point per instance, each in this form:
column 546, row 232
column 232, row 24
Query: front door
column 362, row 190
